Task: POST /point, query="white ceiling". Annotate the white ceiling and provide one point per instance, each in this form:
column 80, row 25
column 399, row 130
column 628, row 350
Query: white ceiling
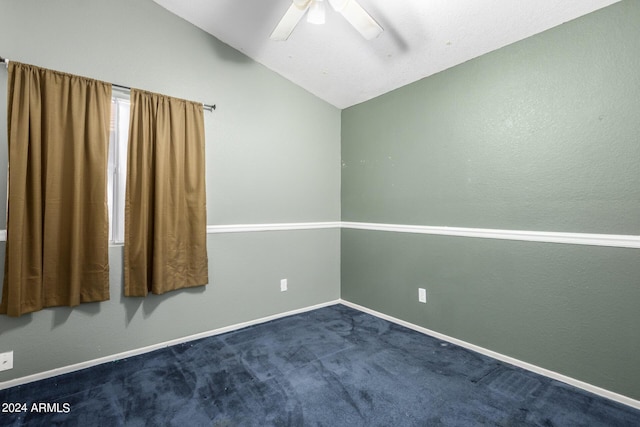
column 420, row 38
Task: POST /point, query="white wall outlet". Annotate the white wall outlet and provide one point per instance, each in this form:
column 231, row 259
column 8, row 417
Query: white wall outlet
column 6, row 361
column 422, row 295
column 283, row 285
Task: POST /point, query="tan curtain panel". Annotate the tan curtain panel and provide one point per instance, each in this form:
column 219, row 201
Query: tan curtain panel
column 165, row 208
column 57, row 220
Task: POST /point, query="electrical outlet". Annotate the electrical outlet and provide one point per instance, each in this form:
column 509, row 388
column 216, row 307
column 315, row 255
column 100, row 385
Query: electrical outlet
column 6, row 361
column 283, row 285
column 422, row 295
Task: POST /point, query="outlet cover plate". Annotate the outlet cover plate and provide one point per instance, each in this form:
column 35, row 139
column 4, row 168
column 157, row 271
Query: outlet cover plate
column 6, row 361
column 283, row 285
column 422, row 295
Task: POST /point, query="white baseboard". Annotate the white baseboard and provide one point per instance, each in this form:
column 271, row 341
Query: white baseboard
column 510, row 360
column 498, row 356
column 135, row 352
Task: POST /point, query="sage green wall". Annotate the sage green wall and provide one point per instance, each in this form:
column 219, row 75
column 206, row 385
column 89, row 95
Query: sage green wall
column 266, row 163
column 540, row 135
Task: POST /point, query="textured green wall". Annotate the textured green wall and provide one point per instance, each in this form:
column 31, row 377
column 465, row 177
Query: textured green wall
column 266, row 163
column 541, row 135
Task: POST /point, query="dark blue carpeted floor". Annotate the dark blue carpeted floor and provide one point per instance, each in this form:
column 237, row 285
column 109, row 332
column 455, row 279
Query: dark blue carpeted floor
column 329, row 367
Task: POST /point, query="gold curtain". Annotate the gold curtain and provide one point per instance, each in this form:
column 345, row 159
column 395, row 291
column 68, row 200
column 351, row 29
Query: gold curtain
column 57, row 219
column 165, row 208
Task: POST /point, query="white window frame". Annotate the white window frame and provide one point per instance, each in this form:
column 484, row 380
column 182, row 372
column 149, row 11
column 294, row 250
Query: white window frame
column 117, row 166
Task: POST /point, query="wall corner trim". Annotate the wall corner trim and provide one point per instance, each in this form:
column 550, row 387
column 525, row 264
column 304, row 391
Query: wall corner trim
column 503, row 358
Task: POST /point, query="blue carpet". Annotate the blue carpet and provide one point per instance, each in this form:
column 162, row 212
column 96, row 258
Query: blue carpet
column 330, row 367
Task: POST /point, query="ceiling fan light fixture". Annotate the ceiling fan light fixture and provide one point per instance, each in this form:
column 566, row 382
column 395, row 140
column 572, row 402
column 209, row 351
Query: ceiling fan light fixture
column 316, row 14
column 316, row 10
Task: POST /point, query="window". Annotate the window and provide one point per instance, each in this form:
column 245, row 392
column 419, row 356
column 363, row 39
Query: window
column 117, row 171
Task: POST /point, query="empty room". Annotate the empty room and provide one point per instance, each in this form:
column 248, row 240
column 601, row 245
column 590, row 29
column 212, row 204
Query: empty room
column 320, row 212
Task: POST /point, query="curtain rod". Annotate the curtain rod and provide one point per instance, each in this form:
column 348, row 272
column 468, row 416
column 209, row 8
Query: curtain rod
column 211, row 108
column 127, row 88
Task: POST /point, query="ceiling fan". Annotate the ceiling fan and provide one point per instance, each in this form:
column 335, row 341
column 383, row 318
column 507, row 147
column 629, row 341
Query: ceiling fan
column 350, row 9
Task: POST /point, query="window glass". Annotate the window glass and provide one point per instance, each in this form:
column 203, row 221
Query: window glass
column 117, row 171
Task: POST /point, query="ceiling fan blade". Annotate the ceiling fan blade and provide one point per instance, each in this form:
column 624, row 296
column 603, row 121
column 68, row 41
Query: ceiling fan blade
column 358, row 17
column 290, row 19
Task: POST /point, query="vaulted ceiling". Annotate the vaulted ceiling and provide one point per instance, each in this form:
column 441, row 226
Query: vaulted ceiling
column 420, row 38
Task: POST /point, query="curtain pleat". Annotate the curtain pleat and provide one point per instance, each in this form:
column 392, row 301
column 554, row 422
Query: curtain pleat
column 165, row 208
column 57, row 219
